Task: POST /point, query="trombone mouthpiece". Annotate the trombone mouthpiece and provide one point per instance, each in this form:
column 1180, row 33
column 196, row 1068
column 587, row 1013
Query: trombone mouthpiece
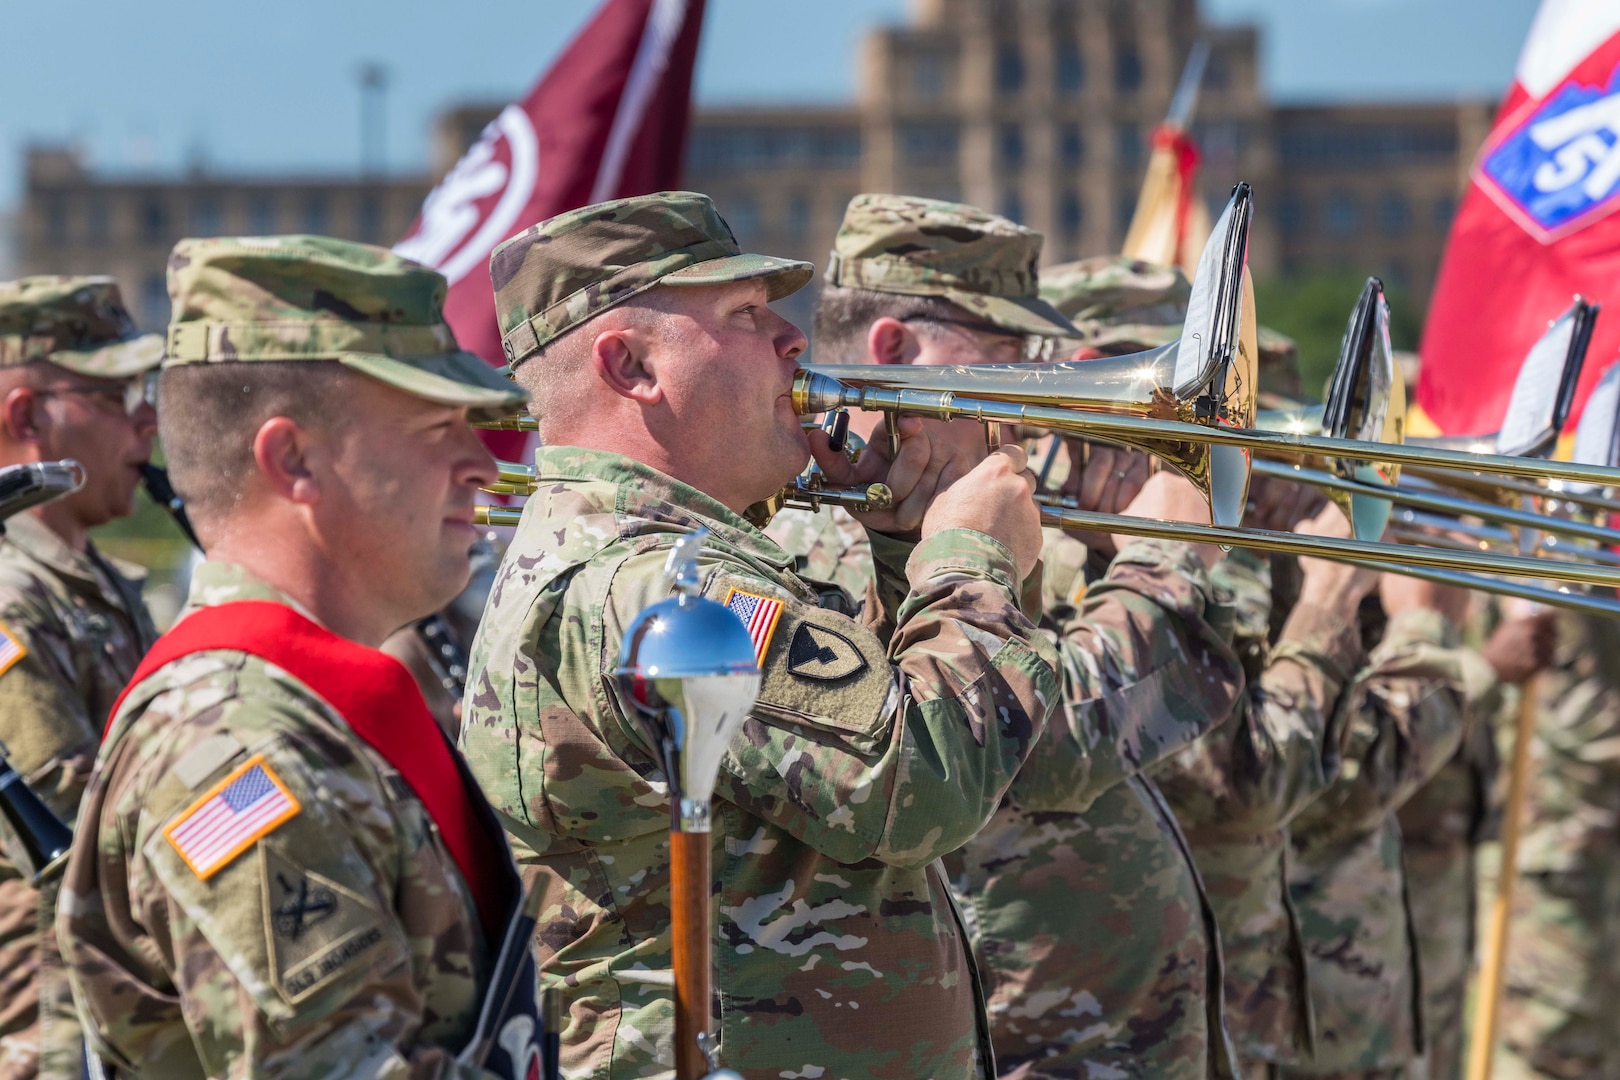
column 814, row 393
column 61, row 477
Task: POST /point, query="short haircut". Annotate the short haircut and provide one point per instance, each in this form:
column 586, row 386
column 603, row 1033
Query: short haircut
column 844, row 314
column 208, row 415
column 551, row 376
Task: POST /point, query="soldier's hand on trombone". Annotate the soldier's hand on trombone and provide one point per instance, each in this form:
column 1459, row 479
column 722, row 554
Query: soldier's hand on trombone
column 1400, row 594
column 1281, row 505
column 996, row 498
column 1327, row 584
column 933, row 455
column 1103, row 479
column 1169, row 496
column 1523, row 645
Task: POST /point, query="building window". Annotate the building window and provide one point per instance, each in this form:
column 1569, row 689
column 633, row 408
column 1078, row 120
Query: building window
column 742, row 214
column 928, row 75
column 1071, row 213
column 798, row 215
column 1010, row 146
column 206, row 215
column 1070, row 72
column 1009, row 69
column 317, row 214
column 262, row 215
column 98, row 224
column 1012, row 206
column 929, row 143
column 1445, row 208
column 1125, row 211
column 1290, row 216
column 1128, row 146
column 1394, row 213
column 1342, row 217
column 155, row 223
column 1071, row 145
column 368, row 215
column 154, row 302
column 1127, row 69
column 56, row 221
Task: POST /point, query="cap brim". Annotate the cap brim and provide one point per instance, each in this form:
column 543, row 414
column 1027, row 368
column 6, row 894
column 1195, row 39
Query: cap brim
column 784, row 276
column 457, row 378
column 1019, row 314
column 119, row 360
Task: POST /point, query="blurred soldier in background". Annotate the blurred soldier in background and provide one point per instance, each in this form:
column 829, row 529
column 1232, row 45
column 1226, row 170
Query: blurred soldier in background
column 1235, row 790
column 1563, row 963
column 73, row 384
column 1408, row 711
column 1442, row 827
column 271, row 879
column 1088, row 920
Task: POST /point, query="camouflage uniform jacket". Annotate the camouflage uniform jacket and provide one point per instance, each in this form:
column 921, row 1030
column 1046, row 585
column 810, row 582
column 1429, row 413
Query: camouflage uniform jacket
column 81, row 627
column 344, row 941
column 1442, row 826
column 1563, row 963
column 827, row 545
column 1235, row 791
column 1406, row 714
column 838, row 951
column 1099, row 948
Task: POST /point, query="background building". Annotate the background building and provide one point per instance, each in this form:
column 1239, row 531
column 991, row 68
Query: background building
column 1039, row 109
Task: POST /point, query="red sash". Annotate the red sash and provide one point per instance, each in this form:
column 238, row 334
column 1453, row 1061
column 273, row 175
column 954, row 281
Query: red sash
column 382, row 704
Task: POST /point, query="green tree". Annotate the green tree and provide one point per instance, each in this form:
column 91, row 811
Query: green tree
column 1314, row 310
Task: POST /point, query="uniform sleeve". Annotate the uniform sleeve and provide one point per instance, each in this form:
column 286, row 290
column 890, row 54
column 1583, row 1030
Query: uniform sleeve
column 49, row 736
column 899, row 752
column 1402, row 720
column 277, row 937
column 1281, row 748
column 1146, row 666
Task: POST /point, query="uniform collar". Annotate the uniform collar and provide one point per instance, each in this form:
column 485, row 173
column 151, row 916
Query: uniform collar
column 214, row 583
column 651, row 501
column 89, row 568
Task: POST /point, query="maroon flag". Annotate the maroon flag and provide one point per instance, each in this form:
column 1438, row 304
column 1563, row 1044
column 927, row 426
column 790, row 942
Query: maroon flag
column 607, row 121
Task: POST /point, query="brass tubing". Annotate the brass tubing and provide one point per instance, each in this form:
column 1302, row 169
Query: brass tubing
column 1439, row 503
column 1340, row 550
column 818, row 393
column 516, row 422
column 1590, row 605
column 500, row 516
column 1594, row 499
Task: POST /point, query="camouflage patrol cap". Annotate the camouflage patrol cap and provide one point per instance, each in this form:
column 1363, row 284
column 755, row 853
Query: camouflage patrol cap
column 248, row 299
column 982, row 262
column 555, row 275
column 79, row 323
column 1114, row 300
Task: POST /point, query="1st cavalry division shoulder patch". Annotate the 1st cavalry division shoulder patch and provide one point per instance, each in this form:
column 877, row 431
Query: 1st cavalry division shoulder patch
column 759, row 615
column 230, row 817
column 11, row 649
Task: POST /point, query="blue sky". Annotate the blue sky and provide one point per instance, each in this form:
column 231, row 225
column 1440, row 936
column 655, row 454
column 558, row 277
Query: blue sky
column 249, row 87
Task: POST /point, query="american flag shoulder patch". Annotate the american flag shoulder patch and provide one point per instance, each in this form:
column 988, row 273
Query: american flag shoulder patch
column 759, row 614
column 11, row 649
column 230, row 817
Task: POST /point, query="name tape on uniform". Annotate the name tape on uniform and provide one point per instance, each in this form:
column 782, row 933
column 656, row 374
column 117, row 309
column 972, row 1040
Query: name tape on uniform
column 230, row 817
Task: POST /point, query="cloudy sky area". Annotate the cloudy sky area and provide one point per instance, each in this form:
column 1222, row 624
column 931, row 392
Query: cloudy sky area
column 253, row 87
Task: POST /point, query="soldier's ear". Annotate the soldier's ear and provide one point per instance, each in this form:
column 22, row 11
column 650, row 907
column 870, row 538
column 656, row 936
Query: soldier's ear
column 281, row 454
column 20, row 414
column 890, row 341
column 622, row 360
